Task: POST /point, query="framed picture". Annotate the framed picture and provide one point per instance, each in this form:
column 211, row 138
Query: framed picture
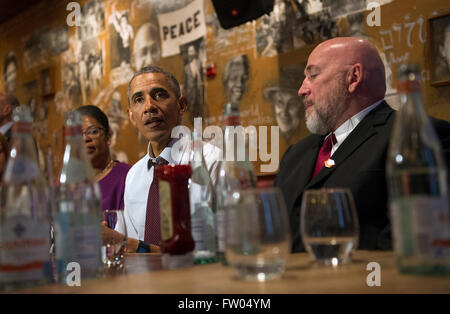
column 439, row 49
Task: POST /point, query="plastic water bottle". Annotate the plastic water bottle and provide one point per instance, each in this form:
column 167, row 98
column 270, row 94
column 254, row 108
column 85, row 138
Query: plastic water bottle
column 236, row 172
column 418, row 185
column 24, row 217
column 77, row 221
column 202, row 199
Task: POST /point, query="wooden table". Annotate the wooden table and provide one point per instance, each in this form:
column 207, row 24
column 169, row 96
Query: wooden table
column 300, row 277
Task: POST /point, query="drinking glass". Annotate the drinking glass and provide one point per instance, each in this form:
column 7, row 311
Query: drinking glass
column 257, row 233
column 329, row 225
column 114, row 243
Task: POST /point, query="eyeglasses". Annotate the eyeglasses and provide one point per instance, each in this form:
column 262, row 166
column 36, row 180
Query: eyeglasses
column 92, row 132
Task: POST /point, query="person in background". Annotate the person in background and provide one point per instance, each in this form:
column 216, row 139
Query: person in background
column 343, row 94
column 110, row 174
column 7, row 104
column 4, row 154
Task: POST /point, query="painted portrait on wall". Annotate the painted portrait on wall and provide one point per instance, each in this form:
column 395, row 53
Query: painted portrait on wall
column 440, row 49
column 282, row 93
column 193, row 54
column 10, row 72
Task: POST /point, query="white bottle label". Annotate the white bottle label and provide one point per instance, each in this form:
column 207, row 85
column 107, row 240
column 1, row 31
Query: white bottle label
column 24, row 249
column 421, row 226
column 77, row 239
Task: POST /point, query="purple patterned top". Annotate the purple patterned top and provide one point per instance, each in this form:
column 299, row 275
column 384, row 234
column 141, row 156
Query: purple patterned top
column 112, row 186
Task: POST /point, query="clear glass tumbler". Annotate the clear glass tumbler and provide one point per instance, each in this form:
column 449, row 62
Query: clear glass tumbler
column 114, row 243
column 329, row 225
column 257, row 234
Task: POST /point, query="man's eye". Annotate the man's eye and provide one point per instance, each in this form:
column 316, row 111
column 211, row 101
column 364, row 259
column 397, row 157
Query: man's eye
column 158, row 95
column 138, row 100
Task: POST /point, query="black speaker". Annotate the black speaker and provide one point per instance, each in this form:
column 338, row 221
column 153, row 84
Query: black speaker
column 236, row 12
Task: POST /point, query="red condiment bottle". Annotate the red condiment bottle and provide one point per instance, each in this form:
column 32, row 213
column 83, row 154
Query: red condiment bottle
column 177, row 244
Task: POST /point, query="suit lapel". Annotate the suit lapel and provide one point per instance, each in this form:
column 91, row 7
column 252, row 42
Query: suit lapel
column 299, row 177
column 363, row 131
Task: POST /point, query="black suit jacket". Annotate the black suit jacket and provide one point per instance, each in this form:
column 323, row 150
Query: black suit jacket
column 360, row 163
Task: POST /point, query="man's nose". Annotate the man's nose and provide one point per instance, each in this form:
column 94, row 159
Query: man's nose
column 150, row 106
column 304, row 89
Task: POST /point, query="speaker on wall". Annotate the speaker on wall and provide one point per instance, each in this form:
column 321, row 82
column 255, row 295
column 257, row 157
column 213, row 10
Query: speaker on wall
column 232, row 13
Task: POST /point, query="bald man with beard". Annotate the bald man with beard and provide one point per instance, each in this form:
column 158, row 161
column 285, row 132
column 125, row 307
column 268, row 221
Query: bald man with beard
column 343, row 93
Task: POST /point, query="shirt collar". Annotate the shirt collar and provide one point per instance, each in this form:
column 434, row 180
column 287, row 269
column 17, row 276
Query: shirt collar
column 4, row 128
column 348, row 126
column 166, row 153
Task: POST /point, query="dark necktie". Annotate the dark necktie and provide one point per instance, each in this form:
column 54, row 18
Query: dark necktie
column 324, row 153
column 153, row 217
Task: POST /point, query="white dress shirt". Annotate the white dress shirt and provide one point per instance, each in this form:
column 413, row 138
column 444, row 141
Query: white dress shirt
column 4, row 128
column 139, row 179
column 348, row 126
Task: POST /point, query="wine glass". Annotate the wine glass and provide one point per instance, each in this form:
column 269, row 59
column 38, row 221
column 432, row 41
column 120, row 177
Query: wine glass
column 257, row 233
column 329, row 225
column 114, row 243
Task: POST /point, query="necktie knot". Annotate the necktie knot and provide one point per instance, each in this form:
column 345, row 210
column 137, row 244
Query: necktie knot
column 324, row 153
column 156, row 162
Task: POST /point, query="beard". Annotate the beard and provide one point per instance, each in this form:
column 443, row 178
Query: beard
column 326, row 112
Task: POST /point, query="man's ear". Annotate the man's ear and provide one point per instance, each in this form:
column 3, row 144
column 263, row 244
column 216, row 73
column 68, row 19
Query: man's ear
column 131, row 117
column 7, row 109
column 182, row 105
column 354, row 77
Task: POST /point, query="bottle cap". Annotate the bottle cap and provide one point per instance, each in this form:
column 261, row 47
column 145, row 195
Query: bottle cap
column 408, row 78
column 73, row 123
column 22, row 120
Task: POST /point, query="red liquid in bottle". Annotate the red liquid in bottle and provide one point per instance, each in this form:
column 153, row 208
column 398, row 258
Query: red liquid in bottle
column 176, row 236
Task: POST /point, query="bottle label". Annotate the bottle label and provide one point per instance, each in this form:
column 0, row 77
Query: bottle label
column 165, row 207
column 24, row 250
column 421, row 226
column 22, row 127
column 202, row 227
column 23, row 169
column 406, row 87
column 78, row 239
column 72, row 130
column 76, row 170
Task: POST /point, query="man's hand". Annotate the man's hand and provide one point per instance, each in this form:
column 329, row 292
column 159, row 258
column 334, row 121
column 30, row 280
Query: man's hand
column 109, row 235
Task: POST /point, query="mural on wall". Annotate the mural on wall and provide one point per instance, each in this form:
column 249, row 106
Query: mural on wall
column 10, row 72
column 282, row 93
column 259, row 64
column 146, row 47
column 194, row 57
column 235, row 78
column 92, row 19
column 121, row 35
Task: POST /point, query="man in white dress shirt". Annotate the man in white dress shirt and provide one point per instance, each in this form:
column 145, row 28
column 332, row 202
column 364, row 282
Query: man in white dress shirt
column 156, row 106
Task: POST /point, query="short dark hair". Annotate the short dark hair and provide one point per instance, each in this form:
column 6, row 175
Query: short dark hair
column 171, row 80
column 96, row 113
